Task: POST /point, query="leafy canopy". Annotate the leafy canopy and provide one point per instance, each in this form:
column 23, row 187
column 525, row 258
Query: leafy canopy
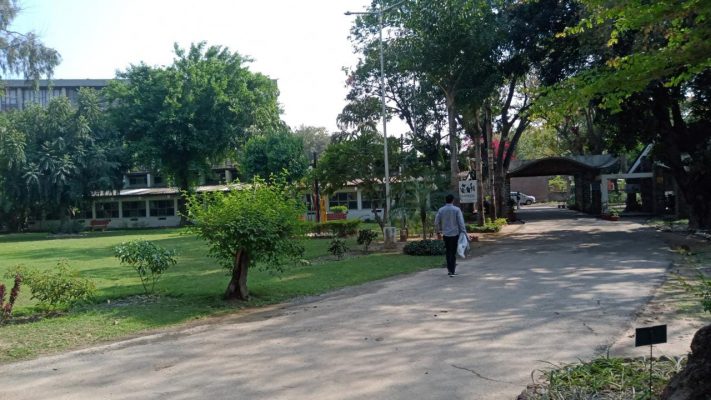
column 23, row 53
column 260, row 218
column 186, row 117
column 274, row 153
column 667, row 40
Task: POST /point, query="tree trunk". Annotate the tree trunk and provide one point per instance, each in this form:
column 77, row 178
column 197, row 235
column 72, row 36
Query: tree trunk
column 237, row 288
column 479, row 176
column 694, row 185
column 490, row 160
column 454, row 153
column 423, row 218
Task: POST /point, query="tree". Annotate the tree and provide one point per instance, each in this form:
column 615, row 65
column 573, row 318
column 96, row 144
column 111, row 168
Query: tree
column 315, row 139
column 53, row 158
column 274, row 153
column 540, row 141
column 23, row 53
column 182, row 119
column 256, row 223
column 360, row 161
column 651, row 79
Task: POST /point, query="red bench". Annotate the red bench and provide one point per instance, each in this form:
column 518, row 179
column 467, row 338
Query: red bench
column 102, row 224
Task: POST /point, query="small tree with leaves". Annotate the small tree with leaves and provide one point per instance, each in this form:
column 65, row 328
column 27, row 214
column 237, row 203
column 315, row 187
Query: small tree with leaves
column 148, row 259
column 365, row 237
column 257, row 223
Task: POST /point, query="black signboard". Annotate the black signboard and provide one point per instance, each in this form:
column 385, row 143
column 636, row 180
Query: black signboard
column 650, row 335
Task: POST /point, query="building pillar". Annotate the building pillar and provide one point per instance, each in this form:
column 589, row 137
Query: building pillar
column 149, row 180
column 359, row 199
column 228, row 176
column 120, row 202
column 148, row 208
column 175, row 206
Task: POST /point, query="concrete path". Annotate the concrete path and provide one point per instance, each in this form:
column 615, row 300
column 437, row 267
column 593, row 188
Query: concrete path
column 560, row 287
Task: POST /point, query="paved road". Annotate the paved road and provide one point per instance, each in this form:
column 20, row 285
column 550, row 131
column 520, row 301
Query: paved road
column 559, row 287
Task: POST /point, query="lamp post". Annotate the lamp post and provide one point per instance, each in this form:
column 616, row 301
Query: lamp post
column 380, row 12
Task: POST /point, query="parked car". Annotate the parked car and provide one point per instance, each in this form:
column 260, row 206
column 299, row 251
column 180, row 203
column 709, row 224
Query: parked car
column 522, row 198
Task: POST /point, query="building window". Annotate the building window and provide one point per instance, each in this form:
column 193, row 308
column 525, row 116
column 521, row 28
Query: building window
column 43, row 99
column 10, row 99
column 137, row 180
column 28, row 95
column 344, row 199
column 132, row 209
column 158, row 180
column 162, row 208
column 368, row 203
column 107, row 210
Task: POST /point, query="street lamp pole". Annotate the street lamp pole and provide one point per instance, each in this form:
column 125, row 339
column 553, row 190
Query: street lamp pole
column 386, row 209
column 381, row 10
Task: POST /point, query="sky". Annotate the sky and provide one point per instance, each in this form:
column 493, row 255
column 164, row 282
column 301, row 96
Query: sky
column 302, row 44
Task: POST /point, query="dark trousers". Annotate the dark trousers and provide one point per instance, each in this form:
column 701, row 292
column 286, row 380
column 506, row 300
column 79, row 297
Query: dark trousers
column 450, row 245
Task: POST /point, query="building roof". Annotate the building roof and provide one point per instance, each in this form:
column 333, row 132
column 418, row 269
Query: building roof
column 159, row 191
column 570, row 165
column 22, row 83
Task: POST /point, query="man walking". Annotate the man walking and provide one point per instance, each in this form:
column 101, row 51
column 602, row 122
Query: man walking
column 449, row 223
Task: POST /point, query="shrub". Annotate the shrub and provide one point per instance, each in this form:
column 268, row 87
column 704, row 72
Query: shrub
column 603, row 378
column 339, row 209
column 6, row 308
column 488, row 227
column 339, row 228
column 338, row 248
column 425, row 248
column 61, row 287
column 149, row 260
column 365, row 237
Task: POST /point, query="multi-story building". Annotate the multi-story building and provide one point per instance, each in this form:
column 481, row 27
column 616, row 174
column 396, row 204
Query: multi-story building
column 19, row 93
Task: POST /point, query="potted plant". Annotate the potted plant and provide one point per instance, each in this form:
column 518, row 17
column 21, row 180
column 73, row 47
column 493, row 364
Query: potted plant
column 614, row 215
column 611, row 215
column 337, row 212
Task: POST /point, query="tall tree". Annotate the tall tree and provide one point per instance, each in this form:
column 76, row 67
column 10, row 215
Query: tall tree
column 23, row 53
column 181, row 119
column 274, row 153
column 53, row 158
column 657, row 55
column 315, row 139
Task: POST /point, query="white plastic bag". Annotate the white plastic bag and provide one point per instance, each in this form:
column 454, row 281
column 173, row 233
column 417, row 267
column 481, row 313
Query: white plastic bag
column 463, row 245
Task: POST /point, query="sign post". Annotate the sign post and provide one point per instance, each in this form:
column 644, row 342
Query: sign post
column 467, row 191
column 650, row 336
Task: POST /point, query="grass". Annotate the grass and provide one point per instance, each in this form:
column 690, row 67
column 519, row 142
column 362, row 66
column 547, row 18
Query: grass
column 604, row 379
column 190, row 290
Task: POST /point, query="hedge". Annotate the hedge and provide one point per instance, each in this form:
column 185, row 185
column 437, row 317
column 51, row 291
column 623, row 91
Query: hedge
column 425, row 248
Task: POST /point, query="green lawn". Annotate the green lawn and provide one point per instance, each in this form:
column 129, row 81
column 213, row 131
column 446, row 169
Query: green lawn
column 191, row 289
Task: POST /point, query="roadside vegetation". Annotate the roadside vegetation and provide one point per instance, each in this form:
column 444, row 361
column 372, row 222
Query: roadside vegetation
column 603, row 379
column 192, row 289
column 685, row 294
